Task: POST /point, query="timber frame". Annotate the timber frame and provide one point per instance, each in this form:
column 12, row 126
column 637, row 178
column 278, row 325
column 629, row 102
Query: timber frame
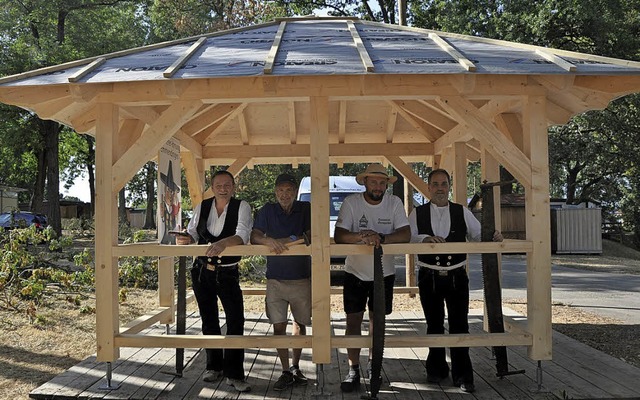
column 444, row 119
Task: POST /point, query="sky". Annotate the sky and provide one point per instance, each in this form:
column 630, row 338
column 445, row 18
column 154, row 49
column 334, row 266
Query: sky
column 80, row 189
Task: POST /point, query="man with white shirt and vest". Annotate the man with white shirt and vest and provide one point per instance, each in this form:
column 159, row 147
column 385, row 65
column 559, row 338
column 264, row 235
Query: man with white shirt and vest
column 443, row 279
column 220, row 221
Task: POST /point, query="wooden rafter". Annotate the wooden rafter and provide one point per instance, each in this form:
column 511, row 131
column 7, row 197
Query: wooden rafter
column 420, row 109
column 453, row 52
column 169, row 72
column 485, row 131
column 207, row 135
column 152, row 139
column 86, row 70
column 362, row 51
column 342, row 121
column 273, row 52
column 293, row 132
column 391, row 123
column 425, row 129
column 244, row 133
column 213, row 114
column 560, row 62
column 405, row 170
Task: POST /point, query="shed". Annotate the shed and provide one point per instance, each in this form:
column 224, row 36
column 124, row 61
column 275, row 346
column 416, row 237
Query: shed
column 323, row 91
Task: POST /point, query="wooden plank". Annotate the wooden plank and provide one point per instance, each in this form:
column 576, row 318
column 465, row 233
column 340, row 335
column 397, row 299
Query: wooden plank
column 408, row 174
column 453, row 52
column 538, row 222
column 362, row 51
column 273, row 51
column 169, row 72
column 293, row 132
column 152, row 139
column 320, row 244
column 459, row 174
column 566, row 65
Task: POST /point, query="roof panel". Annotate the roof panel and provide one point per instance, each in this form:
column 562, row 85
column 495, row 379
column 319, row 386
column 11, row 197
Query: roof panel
column 326, row 47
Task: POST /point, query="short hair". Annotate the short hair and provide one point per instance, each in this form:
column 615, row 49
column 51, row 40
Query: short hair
column 439, row 171
column 223, row 172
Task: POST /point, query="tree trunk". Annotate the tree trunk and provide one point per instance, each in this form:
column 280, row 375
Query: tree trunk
column 122, row 208
column 150, row 215
column 37, row 199
column 91, row 160
column 51, row 134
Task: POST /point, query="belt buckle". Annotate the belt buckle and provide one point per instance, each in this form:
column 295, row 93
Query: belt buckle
column 443, row 272
column 211, row 267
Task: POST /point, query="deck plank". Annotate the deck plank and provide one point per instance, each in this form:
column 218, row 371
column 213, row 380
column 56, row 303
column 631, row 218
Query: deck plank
column 578, row 370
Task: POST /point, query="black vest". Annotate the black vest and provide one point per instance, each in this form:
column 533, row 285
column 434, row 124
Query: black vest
column 228, row 229
column 457, row 233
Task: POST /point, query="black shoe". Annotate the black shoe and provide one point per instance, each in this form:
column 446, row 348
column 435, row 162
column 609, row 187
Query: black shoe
column 351, row 382
column 468, row 387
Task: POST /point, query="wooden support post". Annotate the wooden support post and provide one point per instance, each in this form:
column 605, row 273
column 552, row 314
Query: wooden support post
column 107, row 324
column 166, row 284
column 460, row 173
column 320, row 243
column 491, row 173
column 409, row 259
column 538, row 228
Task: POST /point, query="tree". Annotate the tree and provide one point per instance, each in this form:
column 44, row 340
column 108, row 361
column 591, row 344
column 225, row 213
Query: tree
column 39, row 33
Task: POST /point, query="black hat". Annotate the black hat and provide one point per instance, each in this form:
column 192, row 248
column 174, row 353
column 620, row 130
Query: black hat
column 168, row 179
column 286, row 178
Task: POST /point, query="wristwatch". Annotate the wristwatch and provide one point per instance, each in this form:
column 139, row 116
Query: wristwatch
column 382, row 237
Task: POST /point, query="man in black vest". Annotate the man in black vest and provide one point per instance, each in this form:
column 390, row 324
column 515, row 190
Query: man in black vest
column 443, row 277
column 220, row 221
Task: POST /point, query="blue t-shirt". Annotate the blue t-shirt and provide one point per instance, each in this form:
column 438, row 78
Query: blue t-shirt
column 272, row 220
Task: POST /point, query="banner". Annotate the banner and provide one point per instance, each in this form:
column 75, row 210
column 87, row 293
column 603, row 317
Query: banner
column 169, row 178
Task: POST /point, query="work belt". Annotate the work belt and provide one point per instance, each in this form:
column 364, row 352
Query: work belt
column 442, row 270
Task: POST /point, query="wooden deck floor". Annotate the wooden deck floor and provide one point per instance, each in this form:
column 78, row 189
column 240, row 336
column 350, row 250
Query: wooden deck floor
column 578, row 371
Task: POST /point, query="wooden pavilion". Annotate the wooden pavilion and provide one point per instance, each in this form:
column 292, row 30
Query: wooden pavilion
column 321, row 91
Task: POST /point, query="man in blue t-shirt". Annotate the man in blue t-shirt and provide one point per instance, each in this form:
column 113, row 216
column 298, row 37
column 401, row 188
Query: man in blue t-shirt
column 288, row 277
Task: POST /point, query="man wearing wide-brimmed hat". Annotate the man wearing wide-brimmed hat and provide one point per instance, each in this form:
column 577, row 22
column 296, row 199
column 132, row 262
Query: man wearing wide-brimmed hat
column 369, row 218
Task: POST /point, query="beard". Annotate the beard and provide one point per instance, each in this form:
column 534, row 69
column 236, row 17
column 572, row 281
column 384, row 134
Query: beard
column 375, row 197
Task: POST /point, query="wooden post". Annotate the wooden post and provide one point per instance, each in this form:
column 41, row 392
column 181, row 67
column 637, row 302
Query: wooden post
column 460, row 173
column 538, row 228
column 320, row 243
column 491, row 173
column 409, row 259
column 166, row 285
column 107, row 324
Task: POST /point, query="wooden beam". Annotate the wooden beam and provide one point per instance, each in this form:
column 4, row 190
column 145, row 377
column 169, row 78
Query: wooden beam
column 84, row 71
column 206, row 136
column 189, row 143
column 503, row 150
column 460, row 173
column 422, row 110
column 407, row 173
column 169, row 72
column 244, row 133
column 155, row 249
column 106, row 236
column 453, row 52
column 422, row 127
column 212, row 115
column 391, row 123
column 538, row 222
column 293, row 131
column 273, row 51
column 566, row 65
column 152, row 139
column 236, row 167
column 342, row 121
column 195, row 176
column 362, row 51
column 129, row 132
column 320, row 244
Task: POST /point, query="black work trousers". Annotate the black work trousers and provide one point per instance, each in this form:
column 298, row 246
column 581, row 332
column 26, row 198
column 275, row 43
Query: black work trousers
column 452, row 289
column 208, row 287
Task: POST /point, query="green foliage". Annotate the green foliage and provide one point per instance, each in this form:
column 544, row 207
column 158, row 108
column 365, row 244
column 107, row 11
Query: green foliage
column 138, row 271
column 252, row 269
column 28, row 272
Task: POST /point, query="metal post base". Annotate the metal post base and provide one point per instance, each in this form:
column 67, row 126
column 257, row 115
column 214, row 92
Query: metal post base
column 110, row 385
column 539, row 388
column 320, row 393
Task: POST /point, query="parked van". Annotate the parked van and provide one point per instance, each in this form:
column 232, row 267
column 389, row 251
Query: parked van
column 339, row 188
